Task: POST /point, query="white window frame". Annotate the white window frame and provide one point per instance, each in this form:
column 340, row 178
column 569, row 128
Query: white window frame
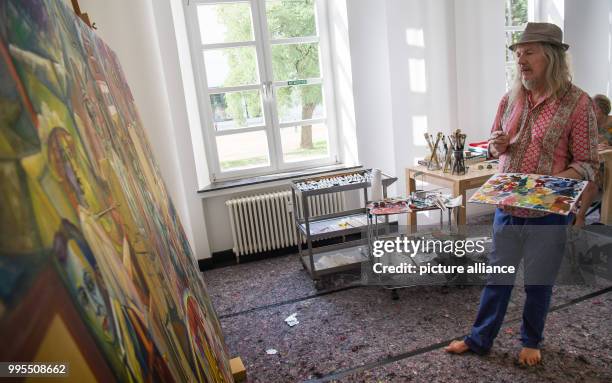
column 532, row 15
column 267, row 88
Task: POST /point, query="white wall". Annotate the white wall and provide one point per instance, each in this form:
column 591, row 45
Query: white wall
column 422, row 72
column 141, row 32
column 588, row 31
column 343, row 80
column 403, row 75
column 462, row 54
column 551, row 11
column 480, row 46
column 418, row 66
column 480, row 49
column 371, row 83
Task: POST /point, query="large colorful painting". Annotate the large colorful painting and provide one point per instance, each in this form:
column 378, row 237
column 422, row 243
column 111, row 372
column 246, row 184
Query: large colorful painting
column 531, row 191
column 90, row 244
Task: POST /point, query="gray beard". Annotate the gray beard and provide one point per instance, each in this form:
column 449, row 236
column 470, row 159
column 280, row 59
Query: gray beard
column 529, row 84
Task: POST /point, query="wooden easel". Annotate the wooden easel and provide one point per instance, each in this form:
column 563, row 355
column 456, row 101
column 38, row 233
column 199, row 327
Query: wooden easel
column 81, row 15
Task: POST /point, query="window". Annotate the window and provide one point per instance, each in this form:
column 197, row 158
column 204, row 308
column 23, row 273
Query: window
column 264, row 85
column 518, row 12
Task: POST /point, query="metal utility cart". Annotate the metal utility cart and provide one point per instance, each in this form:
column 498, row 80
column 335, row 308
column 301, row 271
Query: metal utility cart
column 397, row 207
column 409, row 206
column 342, row 256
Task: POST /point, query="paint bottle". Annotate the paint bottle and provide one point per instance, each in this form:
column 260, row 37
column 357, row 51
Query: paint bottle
column 377, row 193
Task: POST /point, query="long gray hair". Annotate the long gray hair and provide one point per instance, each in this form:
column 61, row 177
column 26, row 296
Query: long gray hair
column 558, row 73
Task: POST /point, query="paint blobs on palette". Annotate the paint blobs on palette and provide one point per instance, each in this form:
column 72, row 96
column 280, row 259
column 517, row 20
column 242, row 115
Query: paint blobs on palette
column 531, row 191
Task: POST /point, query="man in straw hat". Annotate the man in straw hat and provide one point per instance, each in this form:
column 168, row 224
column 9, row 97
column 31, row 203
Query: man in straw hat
column 544, row 125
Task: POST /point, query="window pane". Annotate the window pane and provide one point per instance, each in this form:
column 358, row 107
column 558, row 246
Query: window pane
column 231, row 66
column 510, row 73
column 516, row 12
column 291, row 18
column 511, row 38
column 236, row 110
column 301, row 143
column 296, row 103
column 243, row 150
column 295, row 61
column 225, row 23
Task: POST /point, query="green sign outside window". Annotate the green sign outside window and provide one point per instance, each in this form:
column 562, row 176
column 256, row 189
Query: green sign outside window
column 297, row 82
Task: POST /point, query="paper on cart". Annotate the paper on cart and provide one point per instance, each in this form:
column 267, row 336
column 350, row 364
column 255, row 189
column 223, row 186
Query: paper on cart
column 455, row 202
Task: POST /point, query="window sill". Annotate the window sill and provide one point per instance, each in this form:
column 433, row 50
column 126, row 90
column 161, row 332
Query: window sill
column 243, row 184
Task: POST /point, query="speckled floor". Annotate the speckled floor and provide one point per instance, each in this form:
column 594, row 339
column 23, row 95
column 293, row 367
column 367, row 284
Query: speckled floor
column 359, row 334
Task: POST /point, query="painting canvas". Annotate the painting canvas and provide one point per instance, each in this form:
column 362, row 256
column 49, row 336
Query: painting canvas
column 531, row 191
column 87, row 230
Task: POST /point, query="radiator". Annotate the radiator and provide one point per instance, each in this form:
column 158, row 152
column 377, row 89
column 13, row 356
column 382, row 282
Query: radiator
column 265, row 222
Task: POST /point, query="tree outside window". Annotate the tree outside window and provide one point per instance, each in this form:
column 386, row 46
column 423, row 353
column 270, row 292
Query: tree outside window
column 286, row 18
column 517, row 15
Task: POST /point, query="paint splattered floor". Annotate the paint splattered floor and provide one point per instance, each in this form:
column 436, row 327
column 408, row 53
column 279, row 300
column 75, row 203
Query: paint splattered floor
column 359, row 334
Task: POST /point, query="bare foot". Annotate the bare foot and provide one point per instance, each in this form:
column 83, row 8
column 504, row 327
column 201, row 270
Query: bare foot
column 456, row 347
column 530, row 356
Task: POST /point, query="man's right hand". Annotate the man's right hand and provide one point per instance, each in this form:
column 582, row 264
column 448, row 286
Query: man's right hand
column 498, row 142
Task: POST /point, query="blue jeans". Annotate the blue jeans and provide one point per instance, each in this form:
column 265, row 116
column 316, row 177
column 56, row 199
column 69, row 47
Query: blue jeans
column 540, row 242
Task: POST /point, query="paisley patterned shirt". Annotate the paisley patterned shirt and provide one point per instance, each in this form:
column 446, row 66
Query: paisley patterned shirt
column 553, row 135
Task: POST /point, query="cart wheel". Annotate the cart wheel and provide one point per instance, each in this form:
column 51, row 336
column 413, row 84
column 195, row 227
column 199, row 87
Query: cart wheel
column 394, row 295
column 318, row 284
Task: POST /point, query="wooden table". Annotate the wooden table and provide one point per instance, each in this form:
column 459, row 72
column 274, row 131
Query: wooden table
column 606, row 199
column 457, row 184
